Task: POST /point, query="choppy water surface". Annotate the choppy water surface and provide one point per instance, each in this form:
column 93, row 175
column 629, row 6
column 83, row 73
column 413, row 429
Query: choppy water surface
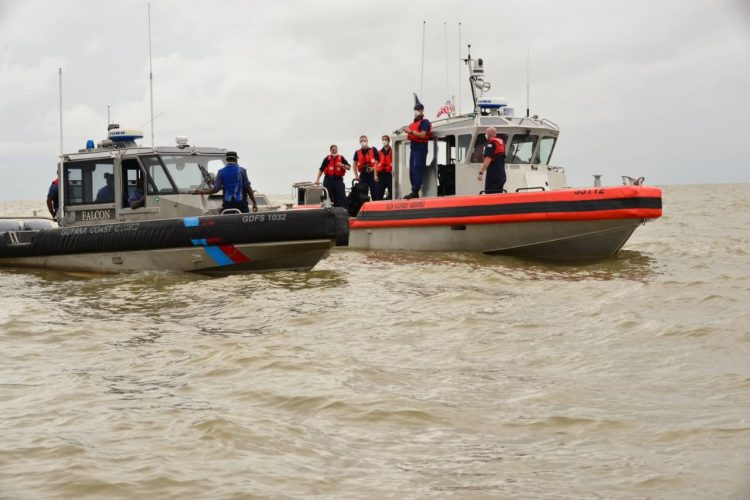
column 393, row 374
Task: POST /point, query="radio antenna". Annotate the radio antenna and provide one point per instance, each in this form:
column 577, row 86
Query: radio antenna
column 447, row 76
column 59, row 73
column 459, row 68
column 528, row 59
column 421, row 76
column 150, row 75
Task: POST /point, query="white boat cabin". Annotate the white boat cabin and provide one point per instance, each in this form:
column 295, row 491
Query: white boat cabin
column 98, row 182
column 455, row 155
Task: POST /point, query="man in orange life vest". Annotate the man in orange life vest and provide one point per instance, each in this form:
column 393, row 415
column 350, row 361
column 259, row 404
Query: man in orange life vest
column 494, row 163
column 383, row 176
column 419, row 135
column 365, row 161
column 334, row 166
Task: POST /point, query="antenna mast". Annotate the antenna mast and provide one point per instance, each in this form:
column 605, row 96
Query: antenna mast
column 459, row 68
column 150, row 75
column 421, row 76
column 447, row 77
column 528, row 59
column 59, row 72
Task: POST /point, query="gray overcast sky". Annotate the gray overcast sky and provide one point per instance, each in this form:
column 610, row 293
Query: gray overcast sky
column 643, row 87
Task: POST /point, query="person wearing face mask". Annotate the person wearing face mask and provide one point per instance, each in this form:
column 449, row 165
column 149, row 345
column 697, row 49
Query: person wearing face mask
column 365, row 161
column 334, row 166
column 383, row 176
column 419, row 133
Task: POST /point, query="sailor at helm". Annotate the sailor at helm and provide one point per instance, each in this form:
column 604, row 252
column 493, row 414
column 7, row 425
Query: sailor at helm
column 419, row 133
column 494, row 163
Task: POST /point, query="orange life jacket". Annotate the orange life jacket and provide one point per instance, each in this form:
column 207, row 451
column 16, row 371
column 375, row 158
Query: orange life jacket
column 499, row 146
column 335, row 168
column 414, row 127
column 386, row 161
column 367, row 161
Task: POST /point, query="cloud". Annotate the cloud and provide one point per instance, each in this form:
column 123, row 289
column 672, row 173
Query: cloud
column 632, row 85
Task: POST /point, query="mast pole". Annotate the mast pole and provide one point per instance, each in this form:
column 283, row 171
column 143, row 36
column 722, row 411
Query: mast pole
column 59, row 73
column 447, row 74
column 459, row 68
column 528, row 59
column 421, row 76
column 60, row 181
column 150, row 75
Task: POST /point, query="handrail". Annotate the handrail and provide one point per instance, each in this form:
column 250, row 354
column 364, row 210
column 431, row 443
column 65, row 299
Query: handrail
column 532, row 188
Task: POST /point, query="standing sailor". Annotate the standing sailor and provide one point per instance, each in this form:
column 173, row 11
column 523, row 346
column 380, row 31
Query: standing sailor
column 383, row 176
column 365, row 161
column 232, row 179
column 419, row 133
column 334, row 166
column 53, row 198
column 494, row 163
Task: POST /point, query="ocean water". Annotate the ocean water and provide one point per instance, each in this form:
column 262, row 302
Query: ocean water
column 392, row 375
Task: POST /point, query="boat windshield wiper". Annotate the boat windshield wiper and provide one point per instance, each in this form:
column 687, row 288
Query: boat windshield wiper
column 208, row 177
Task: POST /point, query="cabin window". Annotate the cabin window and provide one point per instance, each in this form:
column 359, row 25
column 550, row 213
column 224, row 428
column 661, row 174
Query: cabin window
column 464, row 142
column 160, row 183
column 186, row 170
column 132, row 179
column 546, row 146
column 521, row 149
column 90, row 182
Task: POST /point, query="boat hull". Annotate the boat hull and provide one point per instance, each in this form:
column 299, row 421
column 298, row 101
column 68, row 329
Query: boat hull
column 217, row 245
column 566, row 225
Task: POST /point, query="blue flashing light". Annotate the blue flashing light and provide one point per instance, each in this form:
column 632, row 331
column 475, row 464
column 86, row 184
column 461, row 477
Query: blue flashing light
column 90, row 144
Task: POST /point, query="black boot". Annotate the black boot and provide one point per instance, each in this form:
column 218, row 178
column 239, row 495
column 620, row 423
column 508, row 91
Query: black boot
column 411, row 195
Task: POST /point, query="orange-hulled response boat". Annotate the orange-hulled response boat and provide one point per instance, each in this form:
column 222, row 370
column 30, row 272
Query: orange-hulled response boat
column 537, row 215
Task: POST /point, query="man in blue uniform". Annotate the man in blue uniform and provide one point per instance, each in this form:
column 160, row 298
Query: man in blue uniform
column 232, row 179
column 494, row 163
column 107, row 193
column 53, row 198
column 419, row 133
column 137, row 199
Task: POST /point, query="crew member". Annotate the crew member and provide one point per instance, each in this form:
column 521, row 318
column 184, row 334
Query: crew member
column 334, row 167
column 232, row 179
column 107, row 193
column 494, row 163
column 138, row 197
column 53, row 198
column 365, row 162
column 383, row 175
column 419, row 133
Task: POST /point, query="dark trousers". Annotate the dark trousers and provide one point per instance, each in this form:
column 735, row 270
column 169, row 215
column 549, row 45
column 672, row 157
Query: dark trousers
column 495, row 180
column 336, row 190
column 417, row 166
column 385, row 181
column 242, row 206
column 368, row 178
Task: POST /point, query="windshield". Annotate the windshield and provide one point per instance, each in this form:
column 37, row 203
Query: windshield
column 522, row 148
column 186, row 170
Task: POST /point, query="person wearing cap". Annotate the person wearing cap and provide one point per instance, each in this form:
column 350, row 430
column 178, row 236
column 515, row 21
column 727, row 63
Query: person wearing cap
column 107, row 193
column 232, row 179
column 383, row 173
column 334, row 167
column 418, row 133
column 365, row 161
column 494, row 163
